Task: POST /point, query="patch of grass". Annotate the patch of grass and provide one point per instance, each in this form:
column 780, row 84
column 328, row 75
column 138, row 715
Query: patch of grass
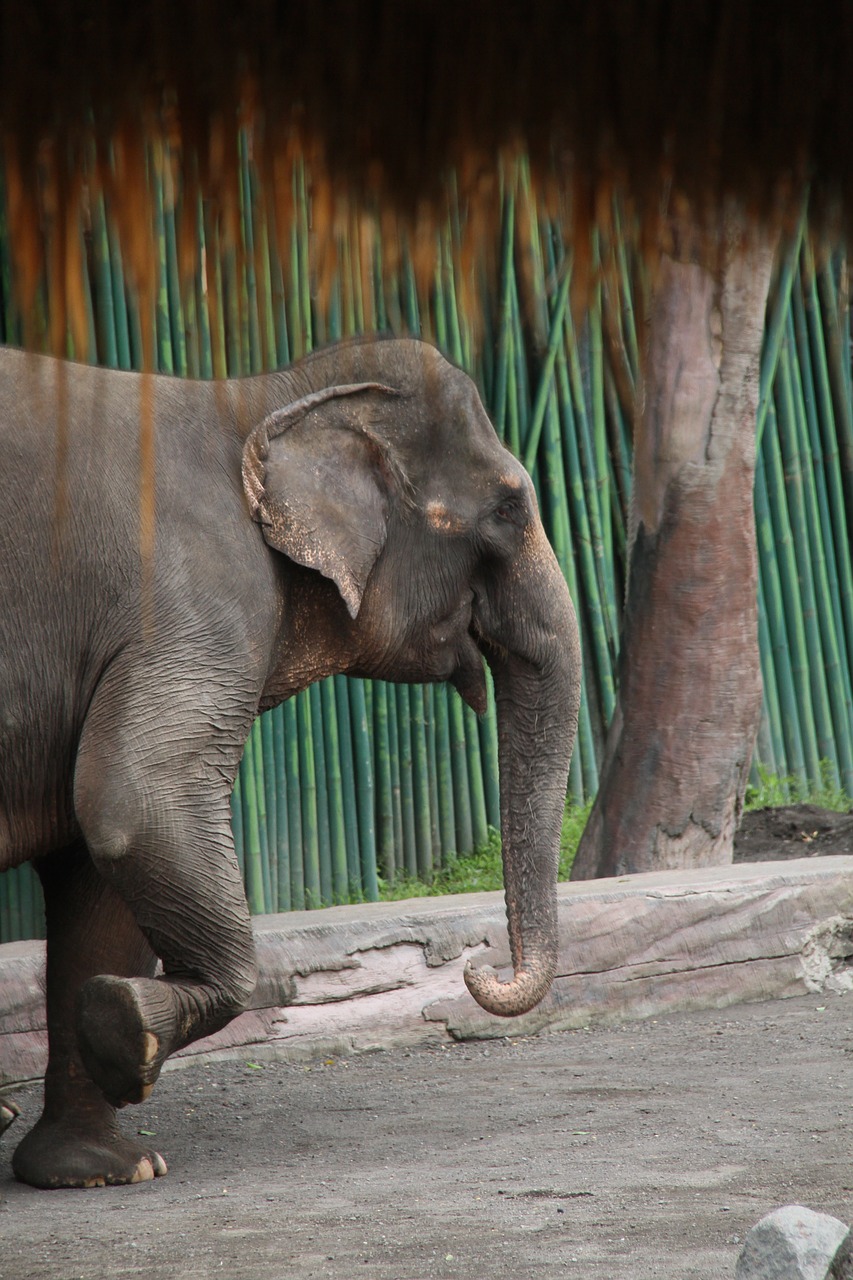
column 481, row 871
column 773, row 791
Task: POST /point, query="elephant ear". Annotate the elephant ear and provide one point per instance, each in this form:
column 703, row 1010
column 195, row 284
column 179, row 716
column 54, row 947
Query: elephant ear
column 319, row 482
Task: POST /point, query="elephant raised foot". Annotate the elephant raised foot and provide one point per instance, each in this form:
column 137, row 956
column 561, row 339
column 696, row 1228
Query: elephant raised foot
column 8, row 1113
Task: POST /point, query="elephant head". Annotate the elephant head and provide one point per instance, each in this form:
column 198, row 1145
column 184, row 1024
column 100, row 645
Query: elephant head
column 384, row 478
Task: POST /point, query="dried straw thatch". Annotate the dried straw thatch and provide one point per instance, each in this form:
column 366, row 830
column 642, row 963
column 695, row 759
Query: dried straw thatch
column 675, row 103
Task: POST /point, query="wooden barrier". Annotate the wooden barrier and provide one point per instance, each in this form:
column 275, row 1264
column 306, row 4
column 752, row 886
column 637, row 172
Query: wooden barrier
column 354, row 978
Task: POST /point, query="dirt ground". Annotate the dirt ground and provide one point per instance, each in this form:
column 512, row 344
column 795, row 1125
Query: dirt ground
column 795, row 831
column 638, row 1152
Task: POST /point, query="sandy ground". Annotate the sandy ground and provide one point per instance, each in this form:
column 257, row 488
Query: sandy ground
column 640, row 1151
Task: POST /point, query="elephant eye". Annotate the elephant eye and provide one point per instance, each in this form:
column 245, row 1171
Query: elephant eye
column 510, row 509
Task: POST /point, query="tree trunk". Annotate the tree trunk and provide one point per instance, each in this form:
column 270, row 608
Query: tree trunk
column 678, row 750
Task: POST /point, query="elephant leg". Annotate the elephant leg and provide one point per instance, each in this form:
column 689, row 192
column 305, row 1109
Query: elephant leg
column 77, row 1142
column 156, row 816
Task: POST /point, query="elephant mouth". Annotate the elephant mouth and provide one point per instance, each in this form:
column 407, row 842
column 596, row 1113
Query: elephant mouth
column 469, row 678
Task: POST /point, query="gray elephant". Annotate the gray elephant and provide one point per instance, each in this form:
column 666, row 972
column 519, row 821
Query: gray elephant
column 355, row 513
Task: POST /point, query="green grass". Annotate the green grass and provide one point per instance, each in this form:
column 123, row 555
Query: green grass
column 771, row 792
column 481, row 871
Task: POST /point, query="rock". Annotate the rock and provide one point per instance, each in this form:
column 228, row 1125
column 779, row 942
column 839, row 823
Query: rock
column 791, row 1244
column 842, row 1263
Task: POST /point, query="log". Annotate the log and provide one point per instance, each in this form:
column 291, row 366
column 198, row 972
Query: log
column 349, row 979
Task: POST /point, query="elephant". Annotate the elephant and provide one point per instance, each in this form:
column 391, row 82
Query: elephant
column 179, row 555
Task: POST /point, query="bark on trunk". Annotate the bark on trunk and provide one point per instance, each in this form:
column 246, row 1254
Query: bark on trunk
column 678, row 750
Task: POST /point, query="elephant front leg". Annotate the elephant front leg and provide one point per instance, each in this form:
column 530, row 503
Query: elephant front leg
column 156, row 817
column 77, row 1141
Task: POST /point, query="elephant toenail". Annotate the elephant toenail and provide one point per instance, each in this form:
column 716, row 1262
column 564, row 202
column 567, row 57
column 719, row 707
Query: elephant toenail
column 8, row 1113
column 144, row 1171
column 152, row 1045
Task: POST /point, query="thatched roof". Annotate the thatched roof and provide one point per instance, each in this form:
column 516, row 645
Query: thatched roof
column 668, row 101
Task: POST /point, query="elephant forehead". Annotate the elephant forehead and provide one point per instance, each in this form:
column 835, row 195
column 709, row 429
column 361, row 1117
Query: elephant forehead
column 442, row 519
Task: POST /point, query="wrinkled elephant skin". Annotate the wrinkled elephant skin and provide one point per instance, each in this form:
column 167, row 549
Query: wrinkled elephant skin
column 355, row 514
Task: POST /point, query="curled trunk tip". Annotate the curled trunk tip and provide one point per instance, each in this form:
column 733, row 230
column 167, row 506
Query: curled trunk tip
column 508, row 999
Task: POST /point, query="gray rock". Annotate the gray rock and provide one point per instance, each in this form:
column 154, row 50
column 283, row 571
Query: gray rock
column 842, row 1263
column 790, row 1244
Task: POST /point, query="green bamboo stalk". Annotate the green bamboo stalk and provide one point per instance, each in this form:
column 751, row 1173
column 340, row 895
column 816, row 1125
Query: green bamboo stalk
column 301, row 259
column 349, row 788
column 420, row 789
column 583, row 771
column 770, row 585
column 364, row 789
column 601, row 451
column 831, row 438
column 308, row 791
column 407, row 802
column 384, row 789
column 507, row 270
column 215, row 308
column 488, row 727
column 838, row 361
column 321, row 773
column 337, row 830
column 774, row 334
column 201, row 284
column 479, row 820
column 578, row 507
column 828, row 673
column 106, row 320
column 521, row 406
column 830, row 513
column 278, row 294
column 262, row 270
column 282, row 818
column 396, row 793
column 584, row 451
column 253, row 858
column 792, row 611
column 266, row 757
column 795, row 491
column 770, row 746
column 620, row 452
column 432, row 774
column 171, row 276
column 261, row 771
column 537, row 420
column 165, row 356
column 294, row 806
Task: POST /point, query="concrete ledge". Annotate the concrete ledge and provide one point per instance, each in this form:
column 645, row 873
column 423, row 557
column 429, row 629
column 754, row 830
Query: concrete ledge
column 347, row 979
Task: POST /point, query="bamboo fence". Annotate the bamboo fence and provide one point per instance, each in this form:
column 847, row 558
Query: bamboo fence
column 355, row 781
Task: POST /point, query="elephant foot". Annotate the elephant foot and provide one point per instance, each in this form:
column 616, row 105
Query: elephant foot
column 125, row 1030
column 8, row 1113
column 62, row 1154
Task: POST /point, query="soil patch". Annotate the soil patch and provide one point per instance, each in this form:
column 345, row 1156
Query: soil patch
column 794, row 831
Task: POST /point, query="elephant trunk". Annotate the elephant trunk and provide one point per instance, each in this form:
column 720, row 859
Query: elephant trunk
column 533, row 650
